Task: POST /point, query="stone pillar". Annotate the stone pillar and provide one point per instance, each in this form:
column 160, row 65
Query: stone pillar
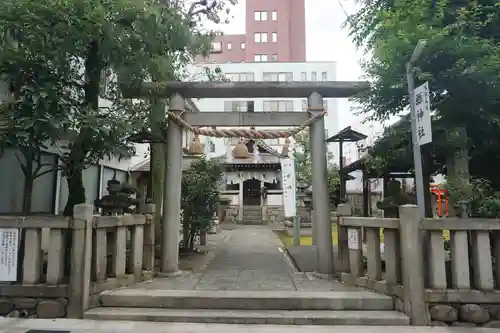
column 81, row 261
column 412, row 265
column 324, row 246
column 169, row 261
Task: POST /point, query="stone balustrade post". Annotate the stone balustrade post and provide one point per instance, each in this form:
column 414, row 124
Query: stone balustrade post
column 81, row 260
column 413, row 265
column 148, row 254
column 342, row 239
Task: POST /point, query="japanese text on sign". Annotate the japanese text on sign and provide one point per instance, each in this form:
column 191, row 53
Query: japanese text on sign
column 353, row 239
column 9, row 243
column 289, row 187
column 423, row 114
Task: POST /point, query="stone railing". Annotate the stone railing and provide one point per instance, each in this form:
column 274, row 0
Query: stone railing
column 440, row 291
column 61, row 280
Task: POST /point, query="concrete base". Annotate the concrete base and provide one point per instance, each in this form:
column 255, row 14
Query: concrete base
column 322, row 276
column 274, row 317
column 167, row 275
column 247, row 300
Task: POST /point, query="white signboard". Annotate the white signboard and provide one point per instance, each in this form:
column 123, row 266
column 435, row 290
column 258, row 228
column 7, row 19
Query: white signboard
column 423, row 114
column 9, row 244
column 289, row 187
column 352, row 239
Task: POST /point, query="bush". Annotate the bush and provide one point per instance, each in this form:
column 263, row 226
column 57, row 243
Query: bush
column 200, row 195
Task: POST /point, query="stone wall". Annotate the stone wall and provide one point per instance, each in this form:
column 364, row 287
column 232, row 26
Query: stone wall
column 465, row 315
column 24, row 307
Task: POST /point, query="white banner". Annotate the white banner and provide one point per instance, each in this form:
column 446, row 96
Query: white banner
column 9, row 245
column 423, row 114
column 289, row 187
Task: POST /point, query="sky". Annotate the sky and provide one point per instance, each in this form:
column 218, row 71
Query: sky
column 326, row 41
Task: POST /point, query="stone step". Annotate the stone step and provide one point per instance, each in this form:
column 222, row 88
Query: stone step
column 273, row 317
column 252, row 217
column 251, row 222
column 246, row 300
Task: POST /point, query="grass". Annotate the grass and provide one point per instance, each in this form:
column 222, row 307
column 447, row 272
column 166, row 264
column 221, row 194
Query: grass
column 307, row 240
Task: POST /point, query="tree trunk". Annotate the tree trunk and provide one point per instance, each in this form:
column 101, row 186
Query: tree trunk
column 76, row 190
column 28, row 187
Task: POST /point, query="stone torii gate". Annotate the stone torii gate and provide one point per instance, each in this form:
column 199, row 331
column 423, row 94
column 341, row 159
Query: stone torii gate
column 179, row 120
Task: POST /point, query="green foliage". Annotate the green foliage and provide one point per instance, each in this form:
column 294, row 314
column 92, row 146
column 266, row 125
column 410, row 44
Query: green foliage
column 461, row 62
column 61, row 56
column 303, row 161
column 478, row 194
column 200, row 195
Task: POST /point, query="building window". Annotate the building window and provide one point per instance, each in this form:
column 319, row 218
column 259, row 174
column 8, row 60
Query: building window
column 260, row 58
column 304, row 105
column 272, row 142
column 242, row 45
column 229, row 46
column 274, row 15
column 303, row 76
column 216, row 47
column 260, row 16
column 260, row 37
column 278, row 106
column 275, row 37
column 236, row 106
column 274, row 57
column 314, row 76
column 274, row 77
column 324, row 76
column 326, row 133
column 325, row 105
column 240, row 77
column 211, row 146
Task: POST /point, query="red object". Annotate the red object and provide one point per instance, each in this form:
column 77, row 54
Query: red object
column 440, row 193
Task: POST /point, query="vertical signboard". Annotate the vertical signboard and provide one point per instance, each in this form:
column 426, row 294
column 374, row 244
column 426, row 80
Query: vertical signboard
column 9, row 244
column 423, row 114
column 289, row 187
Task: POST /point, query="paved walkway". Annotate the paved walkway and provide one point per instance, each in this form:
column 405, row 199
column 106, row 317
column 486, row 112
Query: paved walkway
column 247, row 258
column 8, row 325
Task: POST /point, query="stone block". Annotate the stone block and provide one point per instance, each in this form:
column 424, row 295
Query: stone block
column 438, row 323
column 25, row 303
column 462, row 324
column 51, row 309
column 473, row 313
column 492, row 324
column 445, row 313
column 6, row 306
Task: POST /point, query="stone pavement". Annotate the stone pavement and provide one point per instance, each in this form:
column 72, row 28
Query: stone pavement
column 247, row 258
column 14, row 325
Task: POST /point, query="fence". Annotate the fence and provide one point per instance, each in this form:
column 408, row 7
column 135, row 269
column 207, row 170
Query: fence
column 401, row 271
column 106, row 252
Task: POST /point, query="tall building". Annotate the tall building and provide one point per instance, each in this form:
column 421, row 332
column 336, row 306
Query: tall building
column 275, row 31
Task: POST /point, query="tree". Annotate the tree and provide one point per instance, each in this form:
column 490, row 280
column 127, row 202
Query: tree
column 201, row 184
column 461, row 62
column 40, row 76
column 303, row 161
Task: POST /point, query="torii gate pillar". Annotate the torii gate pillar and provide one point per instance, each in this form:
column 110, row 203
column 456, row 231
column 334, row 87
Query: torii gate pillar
column 171, row 222
column 322, row 225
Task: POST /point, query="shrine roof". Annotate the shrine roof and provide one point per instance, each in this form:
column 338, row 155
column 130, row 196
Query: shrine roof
column 347, row 135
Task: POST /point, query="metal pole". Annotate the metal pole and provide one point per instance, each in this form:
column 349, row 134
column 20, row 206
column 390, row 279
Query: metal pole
column 417, row 155
column 324, row 246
